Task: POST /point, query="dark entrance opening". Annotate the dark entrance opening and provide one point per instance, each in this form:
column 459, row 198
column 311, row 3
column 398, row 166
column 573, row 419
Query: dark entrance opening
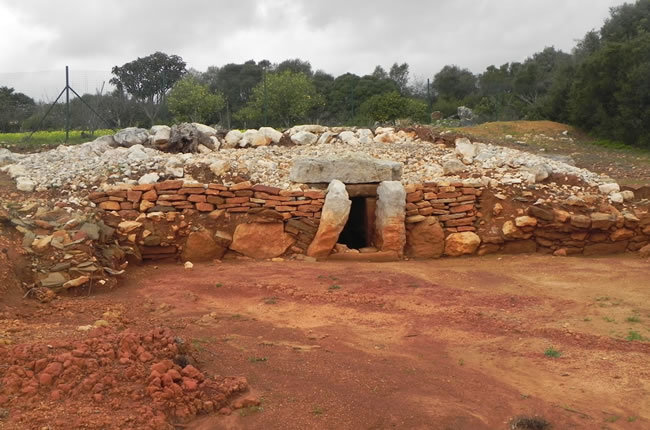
column 359, row 230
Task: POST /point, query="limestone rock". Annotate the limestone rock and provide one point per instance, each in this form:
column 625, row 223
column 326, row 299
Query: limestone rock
column 333, row 218
column 350, row 170
column 525, row 221
column 602, row 221
column 261, row 240
column 464, row 243
column 219, row 167
column 160, row 135
column 580, row 221
column 453, row 167
column 609, row 188
column 149, row 178
column 232, row 138
column 466, row 150
column 25, row 184
column 200, row 246
column 425, row 239
column 304, row 138
column 131, row 136
column 271, row 133
column 390, row 212
column 645, row 251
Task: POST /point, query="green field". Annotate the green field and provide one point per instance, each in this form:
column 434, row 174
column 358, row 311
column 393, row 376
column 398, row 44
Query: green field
column 50, row 138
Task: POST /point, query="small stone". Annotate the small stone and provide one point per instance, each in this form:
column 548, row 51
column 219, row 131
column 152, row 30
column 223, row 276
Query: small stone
column 188, row 265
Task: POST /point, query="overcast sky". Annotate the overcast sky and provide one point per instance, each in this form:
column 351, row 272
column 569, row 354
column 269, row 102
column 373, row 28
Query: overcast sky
column 39, row 37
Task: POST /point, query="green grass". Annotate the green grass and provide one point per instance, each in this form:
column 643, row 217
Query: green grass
column 218, row 285
column 633, row 319
column 244, row 412
column 317, row 411
column 612, row 418
column 334, row 287
column 258, row 359
column 634, row 335
column 552, row 352
column 608, row 319
column 50, row 137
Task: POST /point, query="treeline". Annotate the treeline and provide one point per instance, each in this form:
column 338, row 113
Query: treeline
column 602, row 86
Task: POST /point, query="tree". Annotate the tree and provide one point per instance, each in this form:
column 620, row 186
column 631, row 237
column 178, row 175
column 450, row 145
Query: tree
column 379, row 73
column 236, row 83
column 295, row 65
column 452, row 82
column 388, row 107
column 148, row 79
column 190, row 101
column 14, row 108
column 287, row 97
column 399, row 73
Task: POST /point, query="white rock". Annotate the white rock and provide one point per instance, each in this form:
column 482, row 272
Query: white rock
column 131, row 136
column 609, row 188
column 160, row 134
column 205, row 130
column 219, row 167
column 616, row 198
column 188, row 265
column 136, row 153
column 466, row 149
column 149, row 178
column 627, row 195
column 304, row 138
column 325, row 138
column 25, row 184
column 311, row 128
column 453, row 167
column 176, row 172
column 232, row 138
column 271, row 133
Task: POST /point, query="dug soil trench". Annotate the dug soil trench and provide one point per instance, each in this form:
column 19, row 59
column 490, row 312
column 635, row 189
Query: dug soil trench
column 448, row 344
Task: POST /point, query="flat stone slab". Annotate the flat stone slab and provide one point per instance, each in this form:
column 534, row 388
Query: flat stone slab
column 352, row 170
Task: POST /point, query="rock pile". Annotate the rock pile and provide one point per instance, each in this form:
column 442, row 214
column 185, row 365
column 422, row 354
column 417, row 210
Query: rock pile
column 268, row 156
column 122, row 369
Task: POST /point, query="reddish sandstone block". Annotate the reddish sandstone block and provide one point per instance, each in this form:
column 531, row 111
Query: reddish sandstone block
column 448, row 195
column 133, row 196
column 243, row 193
column 192, row 190
column 466, row 228
column 172, row 197
column 414, row 197
column 237, row 200
column 217, row 187
column 460, row 221
column 302, row 214
column 237, row 210
column 314, row 194
column 126, row 205
column 308, row 208
column 169, row 185
column 96, row 195
column 430, row 196
column 246, row 185
column 466, row 198
column 197, row 198
column 142, row 187
column 266, row 189
column 110, row 206
column 117, row 193
column 205, row 207
column 215, row 200
column 290, row 193
column 150, row 195
column 425, row 211
column 411, row 206
column 226, row 194
column 284, row 208
column 461, row 208
column 116, row 198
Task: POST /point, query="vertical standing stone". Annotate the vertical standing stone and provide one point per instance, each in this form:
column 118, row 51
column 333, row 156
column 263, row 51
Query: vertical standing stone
column 390, row 213
column 335, row 214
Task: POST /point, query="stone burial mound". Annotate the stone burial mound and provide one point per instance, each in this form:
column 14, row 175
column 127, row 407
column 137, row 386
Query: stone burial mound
column 190, row 192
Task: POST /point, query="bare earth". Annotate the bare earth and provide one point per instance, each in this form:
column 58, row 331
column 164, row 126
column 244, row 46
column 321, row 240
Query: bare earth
column 443, row 344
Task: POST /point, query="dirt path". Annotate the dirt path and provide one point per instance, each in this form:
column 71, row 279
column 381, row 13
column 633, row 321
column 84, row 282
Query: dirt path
column 447, row 344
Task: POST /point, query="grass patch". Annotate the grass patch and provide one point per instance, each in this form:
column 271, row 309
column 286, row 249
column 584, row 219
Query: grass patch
column 251, row 410
column 612, row 419
column 334, row 287
column 270, row 300
column 529, row 423
column 317, row 410
column 258, row 359
column 631, row 419
column 608, row 319
column 634, row 335
column 552, row 352
column 633, row 319
column 218, row 285
column 55, row 137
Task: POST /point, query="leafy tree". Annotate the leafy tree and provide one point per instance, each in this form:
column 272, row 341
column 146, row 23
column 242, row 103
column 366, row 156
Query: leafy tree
column 14, row 108
column 289, row 98
column 388, row 107
column 236, row 83
column 191, row 101
column 399, row 73
column 295, row 65
column 148, row 79
column 452, row 82
column 379, row 73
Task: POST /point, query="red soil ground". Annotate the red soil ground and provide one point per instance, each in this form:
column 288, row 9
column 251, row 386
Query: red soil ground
column 445, row 344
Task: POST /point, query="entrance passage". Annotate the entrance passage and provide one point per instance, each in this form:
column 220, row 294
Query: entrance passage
column 359, row 231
